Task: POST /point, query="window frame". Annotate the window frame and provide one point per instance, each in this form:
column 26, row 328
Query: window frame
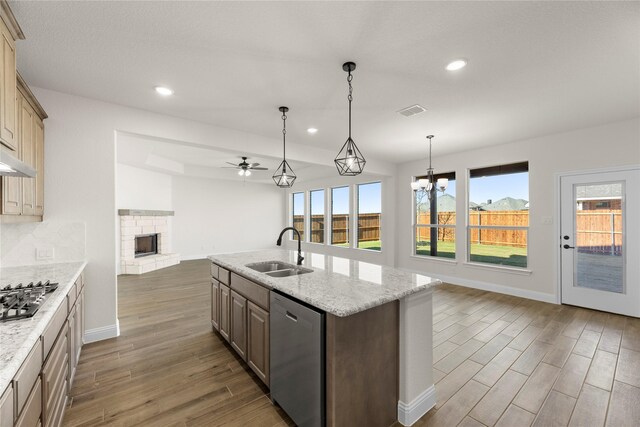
column 509, row 169
column 415, row 226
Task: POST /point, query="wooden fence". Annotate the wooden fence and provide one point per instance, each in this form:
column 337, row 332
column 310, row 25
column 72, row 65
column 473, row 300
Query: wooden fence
column 599, row 232
column 368, row 227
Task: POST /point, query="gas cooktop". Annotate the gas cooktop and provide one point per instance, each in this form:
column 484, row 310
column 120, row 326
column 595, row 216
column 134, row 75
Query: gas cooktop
column 23, row 301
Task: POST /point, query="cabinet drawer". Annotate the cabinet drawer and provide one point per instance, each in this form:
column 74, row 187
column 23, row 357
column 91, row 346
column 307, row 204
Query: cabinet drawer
column 6, row 407
column 54, row 375
column 252, row 291
column 53, row 329
column 223, row 276
column 30, row 416
column 71, row 297
column 27, row 376
column 214, row 271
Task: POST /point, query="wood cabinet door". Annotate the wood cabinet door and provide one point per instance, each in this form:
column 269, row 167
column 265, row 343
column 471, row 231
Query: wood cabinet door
column 258, row 341
column 39, row 165
column 8, row 88
column 11, row 195
column 225, row 306
column 215, row 304
column 71, row 336
column 238, row 336
column 6, row 407
column 27, row 144
column 79, row 330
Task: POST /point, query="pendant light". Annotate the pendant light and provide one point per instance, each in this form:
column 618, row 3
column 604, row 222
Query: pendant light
column 350, row 161
column 284, row 176
column 427, row 184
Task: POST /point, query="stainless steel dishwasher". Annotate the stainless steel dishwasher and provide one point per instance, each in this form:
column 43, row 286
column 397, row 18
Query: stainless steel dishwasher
column 298, row 360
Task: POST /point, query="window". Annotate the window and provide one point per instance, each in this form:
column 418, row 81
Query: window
column 316, row 206
column 340, row 216
column 435, row 229
column 297, row 208
column 369, row 216
column 498, row 220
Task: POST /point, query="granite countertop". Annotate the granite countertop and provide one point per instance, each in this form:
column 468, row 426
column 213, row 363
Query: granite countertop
column 339, row 286
column 17, row 337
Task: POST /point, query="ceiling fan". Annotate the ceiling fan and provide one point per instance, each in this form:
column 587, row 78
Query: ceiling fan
column 244, row 168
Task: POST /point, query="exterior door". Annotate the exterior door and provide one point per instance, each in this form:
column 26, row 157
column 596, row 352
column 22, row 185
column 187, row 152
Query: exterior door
column 600, row 241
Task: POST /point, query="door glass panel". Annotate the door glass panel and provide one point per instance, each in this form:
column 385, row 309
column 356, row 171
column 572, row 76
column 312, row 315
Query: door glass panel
column 599, row 261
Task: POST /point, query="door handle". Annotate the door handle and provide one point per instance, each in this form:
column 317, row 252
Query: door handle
column 568, row 247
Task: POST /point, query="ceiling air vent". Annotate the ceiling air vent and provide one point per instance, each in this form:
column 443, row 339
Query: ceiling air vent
column 412, row 111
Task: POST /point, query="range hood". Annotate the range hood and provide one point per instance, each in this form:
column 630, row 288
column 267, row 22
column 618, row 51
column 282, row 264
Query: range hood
column 10, row 166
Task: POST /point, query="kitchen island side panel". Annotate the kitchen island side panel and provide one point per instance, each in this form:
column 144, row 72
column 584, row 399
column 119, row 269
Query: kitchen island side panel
column 362, row 367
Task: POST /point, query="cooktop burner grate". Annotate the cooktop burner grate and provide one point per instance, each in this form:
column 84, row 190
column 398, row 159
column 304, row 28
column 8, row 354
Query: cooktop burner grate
column 23, row 301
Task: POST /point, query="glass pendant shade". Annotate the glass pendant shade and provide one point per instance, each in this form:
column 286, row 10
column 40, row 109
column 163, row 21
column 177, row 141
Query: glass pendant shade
column 415, row 186
column 284, row 176
column 350, row 161
column 442, row 183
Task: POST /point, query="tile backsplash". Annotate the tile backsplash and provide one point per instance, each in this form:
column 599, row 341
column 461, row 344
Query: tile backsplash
column 41, row 243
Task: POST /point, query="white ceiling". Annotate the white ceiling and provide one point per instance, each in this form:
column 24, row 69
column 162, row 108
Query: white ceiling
column 180, row 158
column 535, row 68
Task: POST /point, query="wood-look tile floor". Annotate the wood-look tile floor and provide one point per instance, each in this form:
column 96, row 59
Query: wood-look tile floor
column 498, row 360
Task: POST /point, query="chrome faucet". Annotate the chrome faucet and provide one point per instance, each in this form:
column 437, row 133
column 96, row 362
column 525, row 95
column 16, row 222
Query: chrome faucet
column 279, row 242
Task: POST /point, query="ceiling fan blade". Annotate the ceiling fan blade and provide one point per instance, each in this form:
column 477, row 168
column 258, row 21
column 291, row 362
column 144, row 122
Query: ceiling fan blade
column 253, row 165
column 229, row 167
column 259, row 169
column 235, row 165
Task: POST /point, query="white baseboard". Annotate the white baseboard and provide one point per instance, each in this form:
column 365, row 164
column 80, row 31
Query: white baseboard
column 102, row 333
column 501, row 289
column 409, row 413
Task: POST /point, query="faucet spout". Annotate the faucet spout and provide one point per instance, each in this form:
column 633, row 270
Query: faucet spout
column 279, row 242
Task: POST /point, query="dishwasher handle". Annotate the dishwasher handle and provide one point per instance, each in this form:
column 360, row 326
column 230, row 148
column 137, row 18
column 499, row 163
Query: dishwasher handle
column 291, row 316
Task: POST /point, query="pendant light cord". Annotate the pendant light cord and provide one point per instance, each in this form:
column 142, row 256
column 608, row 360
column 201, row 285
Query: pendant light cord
column 284, row 138
column 350, row 98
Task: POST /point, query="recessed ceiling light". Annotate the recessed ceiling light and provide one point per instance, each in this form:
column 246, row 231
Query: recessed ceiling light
column 312, row 130
column 456, row 65
column 164, row 91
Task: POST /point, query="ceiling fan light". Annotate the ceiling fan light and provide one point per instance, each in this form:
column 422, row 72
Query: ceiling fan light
column 247, row 173
column 241, row 172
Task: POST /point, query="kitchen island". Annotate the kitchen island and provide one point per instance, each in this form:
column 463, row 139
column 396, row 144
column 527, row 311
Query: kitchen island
column 378, row 329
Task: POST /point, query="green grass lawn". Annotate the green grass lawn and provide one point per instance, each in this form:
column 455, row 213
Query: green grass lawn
column 491, row 254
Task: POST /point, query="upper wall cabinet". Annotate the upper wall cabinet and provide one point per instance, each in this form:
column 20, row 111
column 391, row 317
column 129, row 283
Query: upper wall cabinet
column 9, row 32
column 21, row 130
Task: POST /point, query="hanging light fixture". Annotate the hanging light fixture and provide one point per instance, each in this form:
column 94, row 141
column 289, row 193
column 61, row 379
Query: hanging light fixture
column 426, row 184
column 284, row 176
column 350, row 161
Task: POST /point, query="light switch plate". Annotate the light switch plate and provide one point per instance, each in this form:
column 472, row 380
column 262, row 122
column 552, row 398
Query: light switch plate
column 45, row 252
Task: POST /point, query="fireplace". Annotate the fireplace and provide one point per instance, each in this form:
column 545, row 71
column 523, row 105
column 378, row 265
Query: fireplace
column 146, row 244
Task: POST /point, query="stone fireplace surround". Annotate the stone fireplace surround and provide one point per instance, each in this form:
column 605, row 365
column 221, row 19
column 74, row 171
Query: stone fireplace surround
column 139, row 222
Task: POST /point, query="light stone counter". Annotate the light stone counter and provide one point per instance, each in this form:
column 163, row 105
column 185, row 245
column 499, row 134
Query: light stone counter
column 17, row 337
column 339, row 286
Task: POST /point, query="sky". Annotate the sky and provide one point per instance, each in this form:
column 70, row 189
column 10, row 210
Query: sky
column 514, row 185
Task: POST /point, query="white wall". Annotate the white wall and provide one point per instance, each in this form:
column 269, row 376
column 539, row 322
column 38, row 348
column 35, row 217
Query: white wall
column 143, row 189
column 612, row 145
column 217, row 216
column 388, row 222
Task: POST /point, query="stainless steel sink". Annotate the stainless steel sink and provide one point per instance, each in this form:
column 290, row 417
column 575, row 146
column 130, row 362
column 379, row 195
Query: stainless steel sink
column 278, row 268
column 266, row 266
